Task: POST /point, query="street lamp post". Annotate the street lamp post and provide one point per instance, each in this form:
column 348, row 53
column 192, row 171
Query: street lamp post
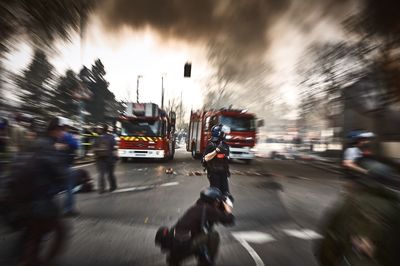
column 162, row 92
column 137, row 87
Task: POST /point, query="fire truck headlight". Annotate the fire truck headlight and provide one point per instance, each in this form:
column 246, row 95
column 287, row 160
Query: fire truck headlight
column 249, row 138
column 228, row 137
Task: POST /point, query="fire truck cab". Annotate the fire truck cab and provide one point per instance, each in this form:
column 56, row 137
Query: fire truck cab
column 241, row 139
column 145, row 131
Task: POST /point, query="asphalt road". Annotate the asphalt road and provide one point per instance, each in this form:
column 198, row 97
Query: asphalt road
column 278, row 204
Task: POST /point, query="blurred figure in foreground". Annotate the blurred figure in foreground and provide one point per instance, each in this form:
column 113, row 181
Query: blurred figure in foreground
column 34, row 177
column 20, row 133
column 359, row 145
column 4, row 139
column 364, row 228
column 194, row 234
column 68, row 145
column 106, row 157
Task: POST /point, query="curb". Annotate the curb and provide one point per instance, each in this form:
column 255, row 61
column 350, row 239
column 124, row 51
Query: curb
column 333, row 168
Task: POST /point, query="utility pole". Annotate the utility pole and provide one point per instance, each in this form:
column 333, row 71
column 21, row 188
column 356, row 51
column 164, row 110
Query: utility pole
column 180, row 112
column 137, row 87
column 162, row 92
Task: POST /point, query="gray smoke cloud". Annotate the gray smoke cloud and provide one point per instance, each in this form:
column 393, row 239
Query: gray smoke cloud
column 236, row 33
column 233, row 29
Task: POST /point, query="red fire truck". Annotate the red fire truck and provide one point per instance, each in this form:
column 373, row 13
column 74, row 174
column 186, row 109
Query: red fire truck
column 146, row 131
column 241, row 139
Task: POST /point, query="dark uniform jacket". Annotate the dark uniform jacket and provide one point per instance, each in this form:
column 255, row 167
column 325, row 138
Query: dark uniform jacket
column 192, row 220
column 220, row 163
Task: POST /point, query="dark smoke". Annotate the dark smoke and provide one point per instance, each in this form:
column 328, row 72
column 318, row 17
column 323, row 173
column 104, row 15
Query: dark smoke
column 235, row 30
column 236, row 33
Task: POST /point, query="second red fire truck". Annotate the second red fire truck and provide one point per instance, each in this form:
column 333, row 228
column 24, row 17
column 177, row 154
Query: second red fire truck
column 241, row 139
column 146, row 131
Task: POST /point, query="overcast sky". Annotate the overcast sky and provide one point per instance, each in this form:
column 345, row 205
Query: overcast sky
column 143, row 48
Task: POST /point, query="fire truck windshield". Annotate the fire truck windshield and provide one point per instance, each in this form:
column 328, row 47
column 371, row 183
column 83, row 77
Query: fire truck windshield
column 141, row 128
column 238, row 123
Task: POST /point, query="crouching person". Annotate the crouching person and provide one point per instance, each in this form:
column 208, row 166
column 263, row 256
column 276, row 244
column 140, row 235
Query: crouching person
column 194, row 234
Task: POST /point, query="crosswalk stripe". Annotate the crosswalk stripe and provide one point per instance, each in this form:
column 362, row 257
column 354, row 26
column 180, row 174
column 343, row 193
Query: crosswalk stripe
column 255, row 237
column 303, row 234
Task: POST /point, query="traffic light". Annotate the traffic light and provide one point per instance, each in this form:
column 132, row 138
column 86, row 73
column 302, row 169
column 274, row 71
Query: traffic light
column 187, row 70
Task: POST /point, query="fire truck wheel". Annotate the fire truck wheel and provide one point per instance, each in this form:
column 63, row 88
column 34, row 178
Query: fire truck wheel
column 195, row 155
column 124, row 159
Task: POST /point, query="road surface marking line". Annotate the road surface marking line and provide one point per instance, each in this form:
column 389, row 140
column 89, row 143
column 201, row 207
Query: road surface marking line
column 255, row 237
column 169, row 184
column 81, row 166
column 146, row 220
column 303, row 234
column 303, row 178
column 144, row 187
column 251, row 251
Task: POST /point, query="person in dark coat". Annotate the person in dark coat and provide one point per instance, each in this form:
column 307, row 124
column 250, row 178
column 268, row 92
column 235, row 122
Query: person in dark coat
column 43, row 170
column 216, row 161
column 194, row 232
column 106, row 157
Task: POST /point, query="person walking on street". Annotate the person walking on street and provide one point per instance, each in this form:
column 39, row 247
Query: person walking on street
column 68, row 145
column 216, row 161
column 34, row 190
column 105, row 152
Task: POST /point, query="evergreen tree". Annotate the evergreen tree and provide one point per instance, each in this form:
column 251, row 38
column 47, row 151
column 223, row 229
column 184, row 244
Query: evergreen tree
column 102, row 106
column 34, row 84
column 64, row 100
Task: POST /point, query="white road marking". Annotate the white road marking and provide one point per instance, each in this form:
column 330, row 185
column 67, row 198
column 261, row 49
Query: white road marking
column 255, row 237
column 132, row 189
column 81, row 166
column 139, row 188
column 304, row 178
column 169, row 184
column 303, row 234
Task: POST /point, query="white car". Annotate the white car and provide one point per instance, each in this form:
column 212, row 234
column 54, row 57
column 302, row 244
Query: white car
column 274, row 150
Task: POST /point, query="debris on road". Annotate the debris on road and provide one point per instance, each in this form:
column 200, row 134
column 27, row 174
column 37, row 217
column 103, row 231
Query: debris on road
column 195, row 173
column 169, row 171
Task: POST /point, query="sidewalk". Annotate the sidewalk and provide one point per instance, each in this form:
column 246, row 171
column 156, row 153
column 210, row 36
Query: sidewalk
column 332, row 164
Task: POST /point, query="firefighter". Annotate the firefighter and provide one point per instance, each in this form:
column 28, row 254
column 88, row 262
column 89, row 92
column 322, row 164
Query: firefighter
column 88, row 138
column 364, row 228
column 216, row 161
column 106, row 158
column 359, row 147
column 194, row 234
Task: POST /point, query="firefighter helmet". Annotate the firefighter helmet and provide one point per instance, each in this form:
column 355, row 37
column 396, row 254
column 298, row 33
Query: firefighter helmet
column 211, row 194
column 217, row 133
